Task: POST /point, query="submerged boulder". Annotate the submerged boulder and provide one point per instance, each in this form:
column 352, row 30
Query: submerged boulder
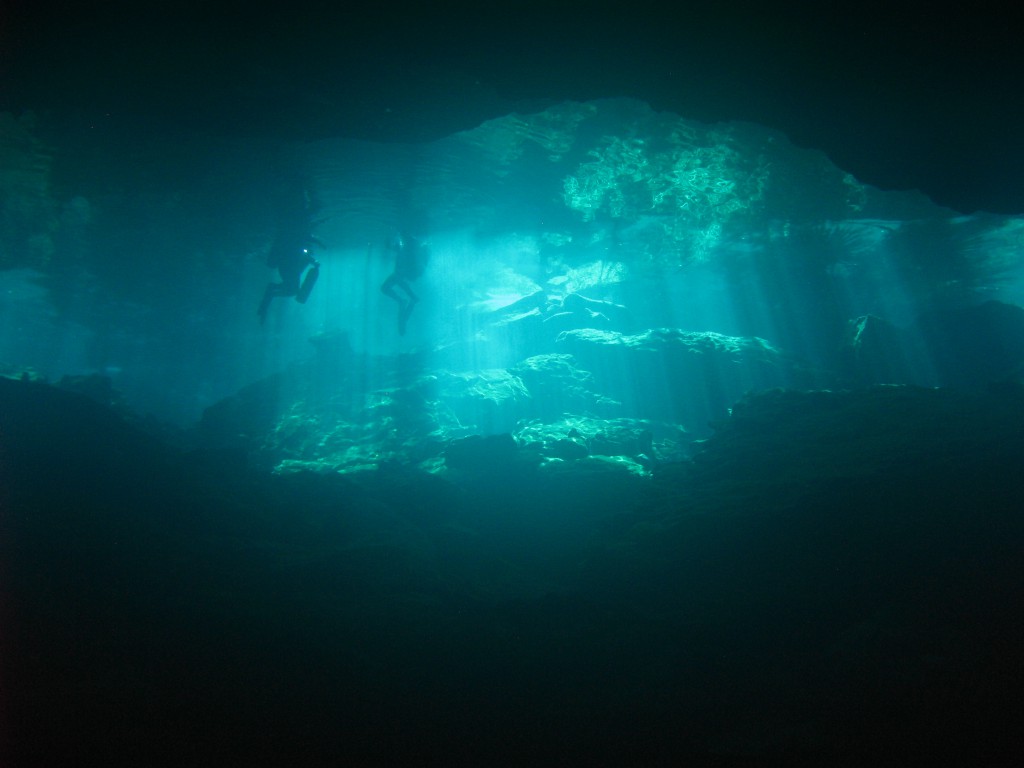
column 571, row 438
column 965, row 347
column 674, row 375
column 577, row 311
column 877, row 352
column 559, row 385
column 490, row 400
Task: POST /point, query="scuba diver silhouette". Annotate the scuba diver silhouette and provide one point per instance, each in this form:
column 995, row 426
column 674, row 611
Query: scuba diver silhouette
column 291, row 250
column 290, row 255
column 410, row 260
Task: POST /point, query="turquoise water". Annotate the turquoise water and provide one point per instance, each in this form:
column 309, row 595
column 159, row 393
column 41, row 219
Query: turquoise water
column 693, row 448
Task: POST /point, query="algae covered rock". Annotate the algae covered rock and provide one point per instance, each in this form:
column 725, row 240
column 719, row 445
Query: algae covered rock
column 674, row 375
column 490, row 400
column 642, row 442
column 558, row 385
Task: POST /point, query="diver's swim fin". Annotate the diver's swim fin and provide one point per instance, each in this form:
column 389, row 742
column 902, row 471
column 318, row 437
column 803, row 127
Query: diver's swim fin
column 307, row 285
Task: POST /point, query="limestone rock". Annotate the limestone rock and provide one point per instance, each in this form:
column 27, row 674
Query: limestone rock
column 674, row 375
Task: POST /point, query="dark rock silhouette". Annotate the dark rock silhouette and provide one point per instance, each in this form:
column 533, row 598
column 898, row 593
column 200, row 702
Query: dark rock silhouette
column 824, row 558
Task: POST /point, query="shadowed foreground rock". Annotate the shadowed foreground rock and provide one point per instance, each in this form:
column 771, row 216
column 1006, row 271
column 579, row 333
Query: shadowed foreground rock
column 833, row 579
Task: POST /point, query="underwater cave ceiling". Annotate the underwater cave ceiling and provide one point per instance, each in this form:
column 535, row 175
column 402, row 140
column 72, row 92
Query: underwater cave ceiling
column 608, row 180
column 896, row 94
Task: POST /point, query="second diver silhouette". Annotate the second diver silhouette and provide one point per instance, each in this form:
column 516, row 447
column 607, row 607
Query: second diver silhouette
column 410, row 260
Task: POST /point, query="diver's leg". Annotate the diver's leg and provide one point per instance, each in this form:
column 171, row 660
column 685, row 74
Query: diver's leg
column 275, row 290
column 388, row 288
column 408, row 304
column 413, row 298
column 289, row 285
column 268, row 296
